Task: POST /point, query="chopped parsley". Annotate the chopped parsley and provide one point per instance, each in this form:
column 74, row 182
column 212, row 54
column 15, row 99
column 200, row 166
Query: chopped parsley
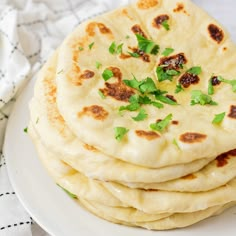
column 134, row 54
column 142, row 115
column 147, row 86
column 107, row 74
column 81, row 48
column 163, row 74
column 175, row 143
column 231, row 82
column 167, row 51
column 147, row 45
column 161, row 125
column 130, row 107
column 114, row 49
column 165, row 25
column 178, row 88
column 91, row 45
column 133, row 83
column 210, row 87
column 218, row 118
column 120, row 132
column 197, row 97
column 196, row 70
column 98, row 64
column 157, row 104
column 165, row 99
column 68, row 192
column 101, row 94
column 26, row 129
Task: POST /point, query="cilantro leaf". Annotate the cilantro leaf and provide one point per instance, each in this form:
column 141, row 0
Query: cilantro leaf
column 165, row 99
column 165, row 25
column 157, row 104
column 218, row 118
column 134, row 54
column 98, row 64
column 178, row 88
column 91, row 45
column 197, row 97
column 119, row 48
column 133, row 83
column 163, row 75
column 231, row 82
column 167, row 51
column 120, row 132
column 147, row 86
column 175, row 143
column 210, row 87
column 26, row 129
column 147, row 45
column 161, row 125
column 114, row 49
column 142, row 115
column 130, row 107
column 196, row 70
column 68, row 192
column 81, row 48
column 101, row 94
column 145, row 100
column 107, row 74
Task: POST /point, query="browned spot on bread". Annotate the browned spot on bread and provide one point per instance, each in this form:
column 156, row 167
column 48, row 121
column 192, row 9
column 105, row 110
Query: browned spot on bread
column 124, row 56
column 90, row 148
column 117, row 90
column 174, row 122
column 222, row 159
column 146, row 4
column 174, row 62
column 180, row 8
column 171, row 97
column 137, row 30
column 232, row 113
column 216, row 33
column 187, row 79
column 95, row 111
column 157, row 22
column 225, row 48
column 149, row 135
column 189, row 177
column 90, row 29
column 192, row 137
column 215, row 81
column 88, row 74
column 125, row 13
column 145, row 57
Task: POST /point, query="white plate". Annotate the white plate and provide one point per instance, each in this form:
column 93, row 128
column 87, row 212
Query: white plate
column 53, row 209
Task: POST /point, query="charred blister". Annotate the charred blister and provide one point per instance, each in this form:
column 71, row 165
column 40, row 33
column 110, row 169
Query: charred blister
column 157, row 22
column 174, row 62
column 136, row 29
column 232, row 113
column 180, row 8
column 87, row 74
column 90, row 29
column 190, row 137
column 187, row 79
column 216, row 33
column 171, row 97
column 215, row 81
column 149, row 135
column 222, row 159
column 95, row 111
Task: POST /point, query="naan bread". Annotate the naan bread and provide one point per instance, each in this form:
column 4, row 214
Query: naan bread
column 87, row 114
column 56, row 136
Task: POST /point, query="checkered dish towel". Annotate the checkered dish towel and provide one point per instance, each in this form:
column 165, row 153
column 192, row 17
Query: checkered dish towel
column 29, row 31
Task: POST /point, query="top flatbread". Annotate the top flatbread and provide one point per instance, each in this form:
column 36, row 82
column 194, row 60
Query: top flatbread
column 192, row 32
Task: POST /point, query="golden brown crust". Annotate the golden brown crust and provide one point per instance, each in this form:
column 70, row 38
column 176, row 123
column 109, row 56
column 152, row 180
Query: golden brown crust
column 192, row 137
column 146, row 4
column 95, row 111
column 149, row 135
column 232, row 113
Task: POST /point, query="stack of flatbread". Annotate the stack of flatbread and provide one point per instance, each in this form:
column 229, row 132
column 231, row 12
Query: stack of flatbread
column 135, row 115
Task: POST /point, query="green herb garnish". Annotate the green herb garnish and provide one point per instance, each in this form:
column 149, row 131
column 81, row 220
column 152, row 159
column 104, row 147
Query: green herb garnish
column 134, row 54
column 26, row 130
column 167, row 51
column 231, row 82
column 178, row 88
column 161, row 125
column 37, row 121
column 68, row 192
column 81, row 48
column 91, row 45
column 218, row 118
column 163, row 74
column 101, row 94
column 107, row 74
column 196, row 70
column 165, row 25
column 210, row 87
column 98, row 64
column 147, row 86
column 142, row 115
column 60, row 72
column 197, row 97
column 114, row 49
column 120, row 132
column 147, row 45
column 165, row 100
column 127, row 36
column 175, row 143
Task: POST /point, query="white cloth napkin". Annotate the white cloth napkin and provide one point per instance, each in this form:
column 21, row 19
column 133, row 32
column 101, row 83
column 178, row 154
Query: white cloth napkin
column 29, row 31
